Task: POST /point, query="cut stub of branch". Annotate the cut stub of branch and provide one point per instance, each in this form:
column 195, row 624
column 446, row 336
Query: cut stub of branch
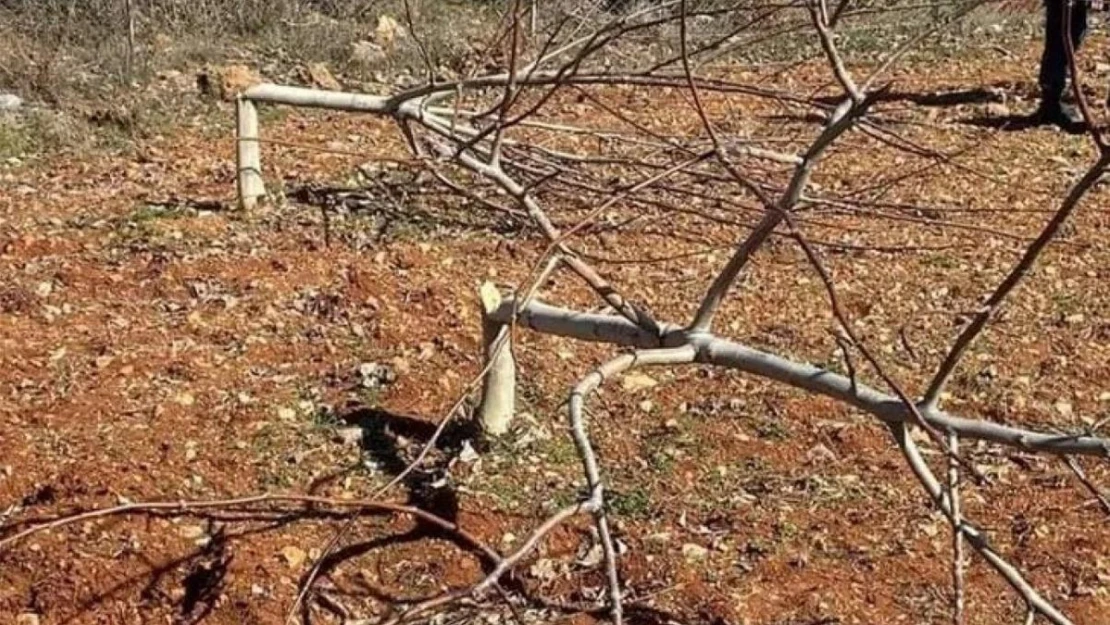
column 495, row 413
column 248, row 154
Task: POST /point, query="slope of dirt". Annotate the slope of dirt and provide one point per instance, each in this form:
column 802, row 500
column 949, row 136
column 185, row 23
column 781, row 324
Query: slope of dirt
column 155, row 345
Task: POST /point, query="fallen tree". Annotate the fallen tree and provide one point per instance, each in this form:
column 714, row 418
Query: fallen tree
column 489, row 132
column 439, row 127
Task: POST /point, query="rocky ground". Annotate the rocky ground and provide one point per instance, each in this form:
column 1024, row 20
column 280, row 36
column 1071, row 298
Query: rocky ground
column 156, row 344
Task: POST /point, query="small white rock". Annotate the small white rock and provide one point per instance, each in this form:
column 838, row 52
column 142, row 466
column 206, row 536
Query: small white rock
column 638, row 381
column 294, row 556
column 820, row 453
column 998, row 110
column 467, row 454
column 543, row 570
column 694, row 552
column 192, row 532
column 350, row 436
column 11, row 102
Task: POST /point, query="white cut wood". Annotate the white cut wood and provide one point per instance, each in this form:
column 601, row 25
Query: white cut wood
column 317, row 98
column 495, row 413
column 248, row 155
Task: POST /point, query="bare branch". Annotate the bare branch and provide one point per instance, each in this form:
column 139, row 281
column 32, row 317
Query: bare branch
column 586, row 387
column 510, row 86
column 425, row 55
column 1019, row 271
column 188, row 507
column 597, row 283
column 839, row 122
column 957, row 536
column 974, row 537
column 820, row 22
column 615, row 168
column 846, row 326
column 1091, row 487
column 1077, row 81
column 960, row 12
column 713, row 350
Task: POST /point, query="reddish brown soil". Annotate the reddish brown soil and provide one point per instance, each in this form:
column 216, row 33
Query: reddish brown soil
column 150, row 354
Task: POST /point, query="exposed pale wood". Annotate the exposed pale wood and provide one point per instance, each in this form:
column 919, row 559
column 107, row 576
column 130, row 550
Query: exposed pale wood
column 248, row 155
column 495, row 412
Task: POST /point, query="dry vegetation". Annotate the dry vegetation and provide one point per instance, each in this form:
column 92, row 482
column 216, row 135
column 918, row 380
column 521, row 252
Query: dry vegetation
column 158, row 345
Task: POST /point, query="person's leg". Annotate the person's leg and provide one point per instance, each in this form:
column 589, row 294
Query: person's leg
column 1054, row 60
column 1078, row 23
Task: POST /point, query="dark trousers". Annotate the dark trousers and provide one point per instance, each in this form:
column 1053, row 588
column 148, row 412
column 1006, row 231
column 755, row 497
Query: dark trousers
column 1054, row 61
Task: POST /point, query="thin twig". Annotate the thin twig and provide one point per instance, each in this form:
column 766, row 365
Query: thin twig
column 1077, row 79
column 846, row 325
column 185, row 507
column 974, row 537
column 1091, row 487
column 586, row 387
column 957, row 536
column 1016, row 275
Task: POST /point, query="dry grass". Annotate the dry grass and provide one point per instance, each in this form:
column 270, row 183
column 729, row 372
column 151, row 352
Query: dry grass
column 74, row 59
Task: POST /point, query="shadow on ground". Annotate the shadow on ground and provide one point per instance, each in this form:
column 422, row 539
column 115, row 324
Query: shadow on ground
column 943, row 97
column 427, row 484
column 955, row 97
column 1017, row 123
column 407, row 208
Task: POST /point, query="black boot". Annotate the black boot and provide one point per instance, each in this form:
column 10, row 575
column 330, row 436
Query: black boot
column 1053, row 112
